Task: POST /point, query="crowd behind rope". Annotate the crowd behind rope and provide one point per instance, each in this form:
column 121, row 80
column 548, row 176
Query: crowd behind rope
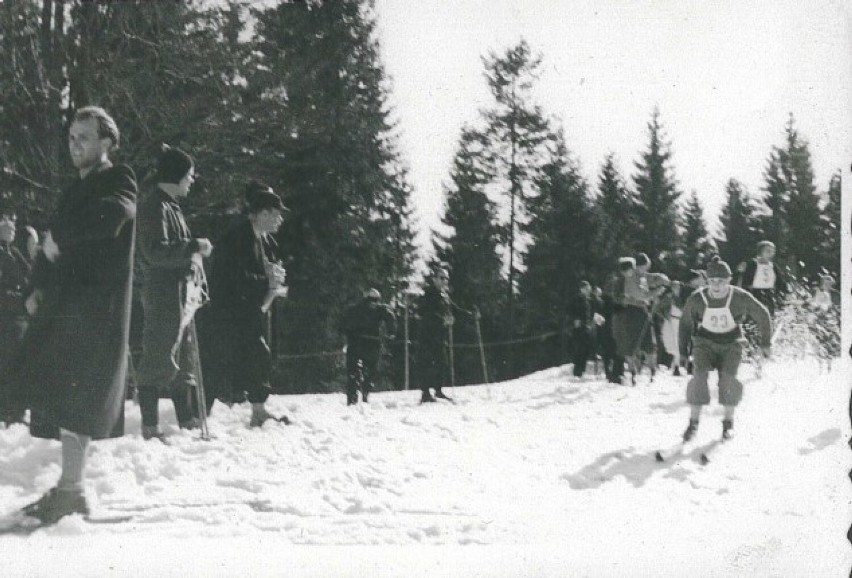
column 68, row 308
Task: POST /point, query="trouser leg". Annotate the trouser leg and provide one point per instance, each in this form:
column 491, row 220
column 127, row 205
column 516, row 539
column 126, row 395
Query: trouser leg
column 149, row 404
column 730, row 388
column 697, row 390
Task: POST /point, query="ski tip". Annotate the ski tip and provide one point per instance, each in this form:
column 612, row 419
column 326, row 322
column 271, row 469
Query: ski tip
column 108, row 518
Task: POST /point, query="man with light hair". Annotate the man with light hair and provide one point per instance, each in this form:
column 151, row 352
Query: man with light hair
column 74, row 357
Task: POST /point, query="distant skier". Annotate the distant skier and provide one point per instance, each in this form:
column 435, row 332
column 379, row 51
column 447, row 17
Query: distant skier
column 366, row 324
column 637, row 291
column 582, row 315
column 435, row 321
column 763, row 278
column 826, row 296
column 711, row 324
column 824, row 321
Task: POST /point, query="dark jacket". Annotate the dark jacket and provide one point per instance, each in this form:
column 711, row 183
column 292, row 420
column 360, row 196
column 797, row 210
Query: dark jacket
column 431, row 349
column 14, row 281
column 74, row 358
column 365, row 323
column 238, row 286
column 582, row 309
column 168, row 259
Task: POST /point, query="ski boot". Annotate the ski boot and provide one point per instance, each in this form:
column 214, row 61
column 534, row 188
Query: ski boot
column 427, row 398
column 727, row 429
column 441, row 395
column 690, row 430
column 153, row 432
column 56, row 504
column 676, row 372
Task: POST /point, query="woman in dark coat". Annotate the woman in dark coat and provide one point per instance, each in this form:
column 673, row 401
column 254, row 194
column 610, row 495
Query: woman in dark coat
column 73, row 363
column 246, row 276
column 171, row 264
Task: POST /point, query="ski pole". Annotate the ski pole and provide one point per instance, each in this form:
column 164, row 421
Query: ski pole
column 452, row 356
column 201, row 398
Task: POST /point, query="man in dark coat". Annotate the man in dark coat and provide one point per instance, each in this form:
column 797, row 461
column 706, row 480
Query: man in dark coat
column 365, row 325
column 171, row 266
column 14, row 281
column 74, row 358
column 582, row 315
column 246, row 276
column 435, row 314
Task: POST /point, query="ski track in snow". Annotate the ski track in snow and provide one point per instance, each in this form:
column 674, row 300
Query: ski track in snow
column 539, row 460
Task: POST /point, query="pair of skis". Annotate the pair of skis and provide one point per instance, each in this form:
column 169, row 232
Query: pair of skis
column 20, row 524
column 706, row 454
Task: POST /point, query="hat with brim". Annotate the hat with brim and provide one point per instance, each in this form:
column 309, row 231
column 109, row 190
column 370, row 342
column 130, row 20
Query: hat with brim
column 261, row 197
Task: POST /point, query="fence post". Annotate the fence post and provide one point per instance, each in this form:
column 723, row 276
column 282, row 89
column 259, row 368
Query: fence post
column 452, row 354
column 477, row 316
column 407, row 345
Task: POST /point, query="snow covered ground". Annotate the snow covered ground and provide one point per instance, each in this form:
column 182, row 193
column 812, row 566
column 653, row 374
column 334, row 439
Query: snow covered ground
column 535, row 477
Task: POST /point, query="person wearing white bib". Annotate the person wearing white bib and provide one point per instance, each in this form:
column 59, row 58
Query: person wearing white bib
column 711, row 323
column 763, row 278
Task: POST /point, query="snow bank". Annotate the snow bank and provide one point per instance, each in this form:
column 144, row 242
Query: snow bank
column 537, row 477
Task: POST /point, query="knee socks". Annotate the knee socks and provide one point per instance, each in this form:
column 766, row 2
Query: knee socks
column 74, row 447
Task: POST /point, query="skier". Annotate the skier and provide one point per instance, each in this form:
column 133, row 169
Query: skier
column 824, row 321
column 246, row 276
column 670, row 309
column 171, row 264
column 365, row 325
column 763, row 278
column 74, row 356
column 14, row 282
column 826, row 296
column 711, row 323
column 436, row 321
column 582, row 314
column 637, row 291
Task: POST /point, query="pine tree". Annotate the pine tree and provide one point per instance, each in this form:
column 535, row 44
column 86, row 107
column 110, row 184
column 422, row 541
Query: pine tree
column 793, row 220
column 320, row 130
column 518, row 135
column 832, row 227
column 657, row 195
column 470, row 252
column 739, row 225
column 616, row 212
column 563, row 230
column 697, row 243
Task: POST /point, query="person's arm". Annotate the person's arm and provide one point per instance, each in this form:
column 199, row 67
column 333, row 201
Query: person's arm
column 692, row 312
column 780, row 281
column 757, row 312
column 155, row 242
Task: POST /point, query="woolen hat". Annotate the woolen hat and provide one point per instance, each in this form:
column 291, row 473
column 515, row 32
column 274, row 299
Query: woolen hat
column 261, row 197
column 718, row 270
column 763, row 244
column 373, row 295
column 173, row 165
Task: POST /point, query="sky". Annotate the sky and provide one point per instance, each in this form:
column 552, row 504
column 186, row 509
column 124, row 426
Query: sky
column 725, row 75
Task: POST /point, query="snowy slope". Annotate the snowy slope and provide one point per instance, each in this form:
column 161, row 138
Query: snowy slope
column 555, row 478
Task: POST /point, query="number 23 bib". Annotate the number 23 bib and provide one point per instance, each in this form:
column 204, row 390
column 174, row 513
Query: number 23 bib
column 718, row 319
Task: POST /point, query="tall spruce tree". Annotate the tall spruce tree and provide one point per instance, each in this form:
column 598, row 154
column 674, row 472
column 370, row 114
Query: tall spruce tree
column 469, row 250
column 657, row 195
column 563, row 231
column 832, row 227
column 793, row 220
column 739, row 225
column 616, row 214
column 518, row 136
column 320, row 121
column 697, row 243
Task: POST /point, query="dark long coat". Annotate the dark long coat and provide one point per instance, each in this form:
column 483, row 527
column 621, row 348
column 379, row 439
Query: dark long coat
column 236, row 327
column 167, row 257
column 73, row 363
